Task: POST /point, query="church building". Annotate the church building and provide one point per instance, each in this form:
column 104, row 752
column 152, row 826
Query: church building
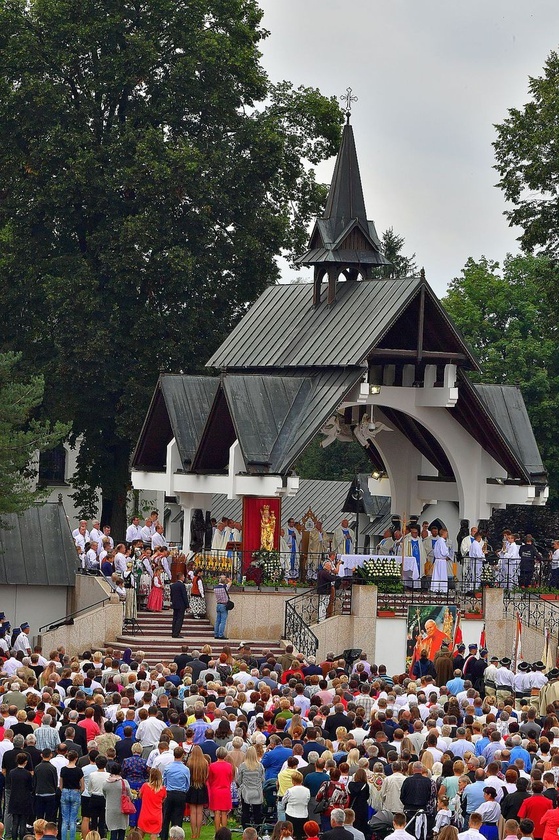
column 357, row 356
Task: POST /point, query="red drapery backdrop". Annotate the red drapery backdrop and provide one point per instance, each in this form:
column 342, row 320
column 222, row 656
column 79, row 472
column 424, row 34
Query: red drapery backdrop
column 252, row 512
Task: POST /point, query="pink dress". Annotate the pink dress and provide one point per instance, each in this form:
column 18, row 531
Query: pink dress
column 220, row 777
column 155, row 600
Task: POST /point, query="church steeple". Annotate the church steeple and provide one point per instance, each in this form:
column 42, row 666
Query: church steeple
column 345, row 199
column 343, row 240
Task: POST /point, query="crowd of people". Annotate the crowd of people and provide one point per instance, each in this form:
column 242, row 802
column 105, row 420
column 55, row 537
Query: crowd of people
column 121, row 743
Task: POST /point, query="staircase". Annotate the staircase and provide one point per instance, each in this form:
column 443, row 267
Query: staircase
column 153, row 635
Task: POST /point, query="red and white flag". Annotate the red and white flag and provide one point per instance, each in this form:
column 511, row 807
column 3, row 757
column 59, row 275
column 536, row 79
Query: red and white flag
column 517, row 651
column 482, row 638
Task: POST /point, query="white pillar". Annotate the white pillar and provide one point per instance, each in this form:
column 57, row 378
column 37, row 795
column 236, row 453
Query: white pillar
column 188, row 503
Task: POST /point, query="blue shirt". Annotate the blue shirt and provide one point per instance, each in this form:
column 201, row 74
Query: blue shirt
column 176, row 776
column 481, row 745
column 199, row 727
column 473, row 796
column 209, row 748
column 520, row 752
column 455, row 685
column 273, row 760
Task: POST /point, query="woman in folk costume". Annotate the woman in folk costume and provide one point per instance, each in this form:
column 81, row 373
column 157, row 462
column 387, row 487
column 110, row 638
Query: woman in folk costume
column 413, row 548
column 155, row 600
column 146, row 577
column 441, row 556
column 197, row 598
column 164, row 560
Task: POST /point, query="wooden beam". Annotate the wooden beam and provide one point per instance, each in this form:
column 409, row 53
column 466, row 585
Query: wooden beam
column 398, row 353
column 420, row 325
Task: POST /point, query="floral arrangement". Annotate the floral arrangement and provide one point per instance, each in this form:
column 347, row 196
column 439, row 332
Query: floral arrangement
column 269, row 562
column 386, row 574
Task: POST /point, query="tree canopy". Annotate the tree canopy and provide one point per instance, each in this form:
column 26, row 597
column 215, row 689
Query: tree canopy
column 21, row 435
column 504, row 316
column 527, row 155
column 145, row 196
column 392, row 245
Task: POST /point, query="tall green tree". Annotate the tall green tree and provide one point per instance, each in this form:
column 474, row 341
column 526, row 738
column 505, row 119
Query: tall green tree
column 504, row 316
column 22, row 434
column 392, row 245
column 527, row 159
column 145, row 194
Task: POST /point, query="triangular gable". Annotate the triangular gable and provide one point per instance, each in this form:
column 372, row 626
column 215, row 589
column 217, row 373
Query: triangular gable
column 259, row 407
column 354, row 237
column 440, row 334
column 179, row 408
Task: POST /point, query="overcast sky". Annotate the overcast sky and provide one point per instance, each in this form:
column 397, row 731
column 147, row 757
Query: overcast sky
column 432, row 77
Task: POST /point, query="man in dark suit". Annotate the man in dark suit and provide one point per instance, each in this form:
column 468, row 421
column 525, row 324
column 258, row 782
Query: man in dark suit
column 179, row 602
column 337, row 832
column 416, row 791
column 123, row 747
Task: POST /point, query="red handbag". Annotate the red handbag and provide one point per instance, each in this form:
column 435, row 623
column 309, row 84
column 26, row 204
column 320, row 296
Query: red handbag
column 126, row 804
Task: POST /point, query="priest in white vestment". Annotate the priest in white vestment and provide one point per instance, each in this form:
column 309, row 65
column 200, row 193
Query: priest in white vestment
column 413, row 547
column 441, row 556
column 343, row 539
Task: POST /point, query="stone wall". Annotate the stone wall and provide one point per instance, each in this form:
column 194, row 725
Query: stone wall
column 88, row 631
column 257, row 615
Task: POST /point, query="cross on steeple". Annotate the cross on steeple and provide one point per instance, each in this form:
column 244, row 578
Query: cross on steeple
column 348, row 99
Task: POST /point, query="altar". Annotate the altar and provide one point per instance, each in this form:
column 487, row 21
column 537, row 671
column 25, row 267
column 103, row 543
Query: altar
column 379, row 566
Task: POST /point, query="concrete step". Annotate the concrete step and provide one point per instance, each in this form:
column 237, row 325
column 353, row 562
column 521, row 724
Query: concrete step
column 153, row 635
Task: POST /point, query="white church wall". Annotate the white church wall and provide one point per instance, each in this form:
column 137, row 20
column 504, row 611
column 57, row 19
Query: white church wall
column 448, row 513
column 38, row 605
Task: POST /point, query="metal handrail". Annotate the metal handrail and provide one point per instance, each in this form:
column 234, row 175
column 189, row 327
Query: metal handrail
column 307, row 608
column 69, row 619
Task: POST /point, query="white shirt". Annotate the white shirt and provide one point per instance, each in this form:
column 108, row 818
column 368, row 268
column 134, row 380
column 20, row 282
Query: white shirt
column 158, row 541
column 296, row 800
column 22, row 643
column 59, row 761
column 90, row 560
column 11, row 665
column 512, row 551
column 219, row 539
column 120, row 563
column 470, row 834
column 145, row 532
column 476, row 550
column 76, row 534
column 402, row 834
column 161, row 760
column 133, row 533
column 80, row 541
column 95, row 535
column 96, row 781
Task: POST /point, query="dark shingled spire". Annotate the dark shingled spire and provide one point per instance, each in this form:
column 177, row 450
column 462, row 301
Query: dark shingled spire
column 343, row 240
column 345, row 199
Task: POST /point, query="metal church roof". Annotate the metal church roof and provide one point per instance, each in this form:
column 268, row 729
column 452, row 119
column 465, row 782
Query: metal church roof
column 276, row 417
column 326, row 498
column 506, row 406
column 284, row 329
column 179, row 408
column 37, row 549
